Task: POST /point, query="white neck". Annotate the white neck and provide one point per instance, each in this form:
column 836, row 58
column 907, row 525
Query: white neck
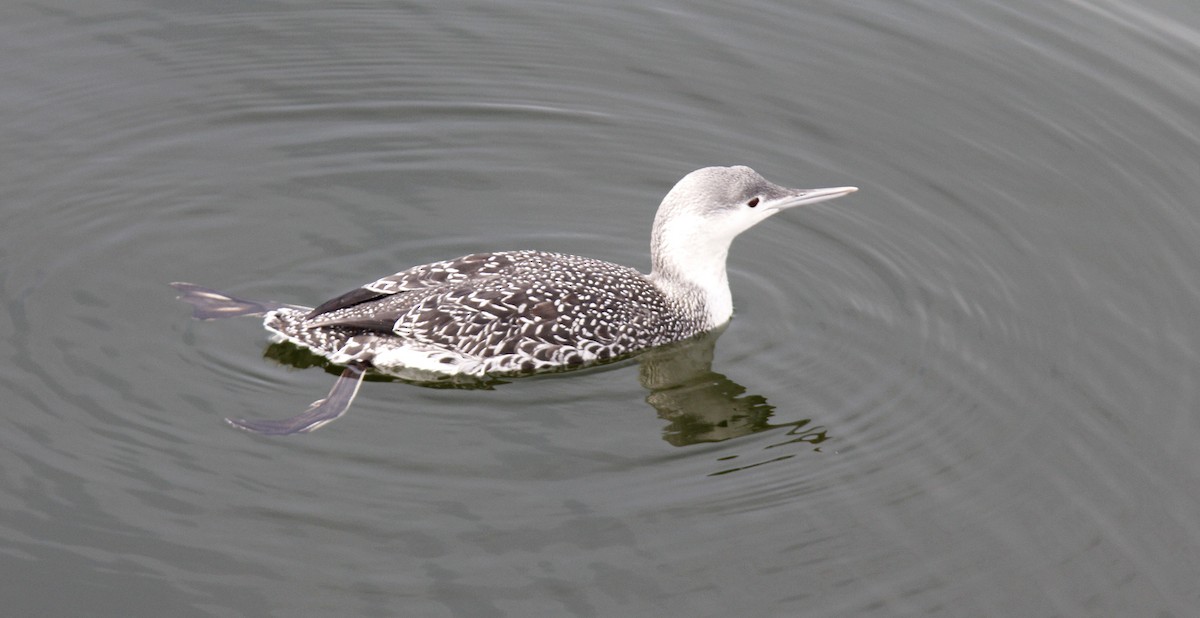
column 689, row 266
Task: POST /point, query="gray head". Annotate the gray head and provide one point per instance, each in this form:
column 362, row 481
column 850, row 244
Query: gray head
column 705, row 210
column 698, row 220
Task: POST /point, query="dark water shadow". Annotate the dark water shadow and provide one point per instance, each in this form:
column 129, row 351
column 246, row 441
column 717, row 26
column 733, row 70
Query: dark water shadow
column 699, row 405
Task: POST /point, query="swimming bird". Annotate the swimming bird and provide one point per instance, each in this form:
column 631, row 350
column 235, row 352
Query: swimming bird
column 510, row 313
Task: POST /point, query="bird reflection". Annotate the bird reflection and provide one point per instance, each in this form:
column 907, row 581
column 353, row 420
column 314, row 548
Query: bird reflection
column 698, row 404
column 701, row 405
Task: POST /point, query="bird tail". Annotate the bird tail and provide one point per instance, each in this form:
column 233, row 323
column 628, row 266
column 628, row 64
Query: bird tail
column 208, row 304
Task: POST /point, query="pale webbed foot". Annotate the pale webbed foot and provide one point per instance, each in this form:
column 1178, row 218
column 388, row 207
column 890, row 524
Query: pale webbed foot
column 319, row 414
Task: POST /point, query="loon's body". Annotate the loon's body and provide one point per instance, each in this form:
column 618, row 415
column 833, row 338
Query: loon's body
column 520, row 312
column 493, row 314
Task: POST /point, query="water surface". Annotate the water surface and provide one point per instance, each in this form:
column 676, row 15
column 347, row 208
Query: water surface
column 968, row 389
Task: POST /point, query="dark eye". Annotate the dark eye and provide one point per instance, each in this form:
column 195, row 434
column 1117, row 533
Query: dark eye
column 753, row 202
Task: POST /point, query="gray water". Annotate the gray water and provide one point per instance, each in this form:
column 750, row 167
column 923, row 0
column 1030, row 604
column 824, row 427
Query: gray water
column 969, row 389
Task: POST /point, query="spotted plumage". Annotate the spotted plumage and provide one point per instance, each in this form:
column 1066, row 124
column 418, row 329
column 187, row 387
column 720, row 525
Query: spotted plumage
column 521, row 312
column 491, row 314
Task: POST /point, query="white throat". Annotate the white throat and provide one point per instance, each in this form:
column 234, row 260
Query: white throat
column 689, row 266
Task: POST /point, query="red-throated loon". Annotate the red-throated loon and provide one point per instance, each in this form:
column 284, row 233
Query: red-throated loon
column 522, row 312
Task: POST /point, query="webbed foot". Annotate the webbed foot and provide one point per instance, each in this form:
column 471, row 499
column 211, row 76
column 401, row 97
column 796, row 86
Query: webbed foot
column 209, row 304
column 320, row 413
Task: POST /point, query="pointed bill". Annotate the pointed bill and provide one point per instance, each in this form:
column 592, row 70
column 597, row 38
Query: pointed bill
column 804, row 197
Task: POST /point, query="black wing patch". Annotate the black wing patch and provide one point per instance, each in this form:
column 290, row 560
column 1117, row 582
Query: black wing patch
column 356, row 296
column 436, row 275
